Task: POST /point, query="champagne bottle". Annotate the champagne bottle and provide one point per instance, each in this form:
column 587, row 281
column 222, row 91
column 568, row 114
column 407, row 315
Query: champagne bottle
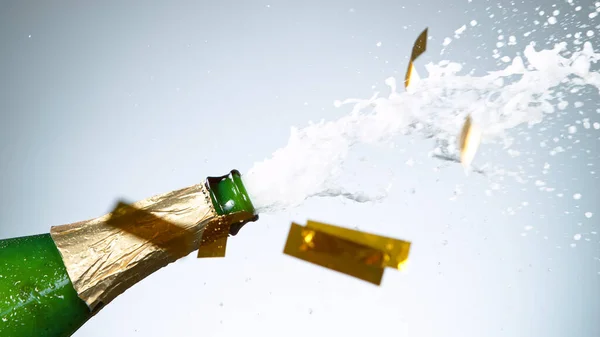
column 51, row 284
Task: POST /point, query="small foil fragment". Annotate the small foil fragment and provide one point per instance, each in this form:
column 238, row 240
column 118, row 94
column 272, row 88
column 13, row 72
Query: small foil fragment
column 354, row 253
column 215, row 248
column 418, row 49
column 470, row 138
column 214, row 236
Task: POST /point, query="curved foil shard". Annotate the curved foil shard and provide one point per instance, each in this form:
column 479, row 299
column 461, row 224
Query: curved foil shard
column 470, row 138
column 418, row 49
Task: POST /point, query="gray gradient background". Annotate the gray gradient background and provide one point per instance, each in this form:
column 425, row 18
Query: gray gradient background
column 118, row 99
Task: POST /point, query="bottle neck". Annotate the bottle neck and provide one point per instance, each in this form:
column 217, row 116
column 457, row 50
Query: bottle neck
column 228, row 195
column 107, row 255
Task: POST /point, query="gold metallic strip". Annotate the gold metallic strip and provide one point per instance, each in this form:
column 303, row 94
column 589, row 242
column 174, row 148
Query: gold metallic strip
column 395, row 251
column 335, row 253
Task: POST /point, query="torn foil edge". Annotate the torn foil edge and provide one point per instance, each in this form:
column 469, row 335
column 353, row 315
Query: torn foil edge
column 103, row 261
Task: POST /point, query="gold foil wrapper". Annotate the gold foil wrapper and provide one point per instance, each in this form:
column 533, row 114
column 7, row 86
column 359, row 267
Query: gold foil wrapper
column 354, row 253
column 418, row 48
column 107, row 255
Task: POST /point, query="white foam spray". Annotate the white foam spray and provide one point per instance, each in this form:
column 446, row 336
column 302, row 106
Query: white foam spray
column 521, row 93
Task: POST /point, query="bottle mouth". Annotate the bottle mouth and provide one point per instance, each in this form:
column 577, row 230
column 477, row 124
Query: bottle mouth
column 228, row 195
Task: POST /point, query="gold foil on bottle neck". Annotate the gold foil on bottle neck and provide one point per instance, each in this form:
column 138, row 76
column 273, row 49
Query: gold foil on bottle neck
column 107, row 255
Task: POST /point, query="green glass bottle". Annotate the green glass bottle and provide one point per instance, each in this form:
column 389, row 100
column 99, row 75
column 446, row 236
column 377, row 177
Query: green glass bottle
column 41, row 292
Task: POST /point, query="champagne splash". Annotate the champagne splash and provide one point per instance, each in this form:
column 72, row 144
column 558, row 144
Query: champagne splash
column 524, row 92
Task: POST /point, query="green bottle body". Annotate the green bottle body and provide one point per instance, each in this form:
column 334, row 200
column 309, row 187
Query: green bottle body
column 37, row 298
column 36, row 294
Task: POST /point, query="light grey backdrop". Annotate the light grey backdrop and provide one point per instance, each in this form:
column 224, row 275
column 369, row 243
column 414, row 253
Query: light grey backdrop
column 116, row 99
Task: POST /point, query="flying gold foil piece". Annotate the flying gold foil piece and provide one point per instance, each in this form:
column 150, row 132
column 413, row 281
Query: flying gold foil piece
column 354, row 253
column 418, row 48
column 470, row 138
